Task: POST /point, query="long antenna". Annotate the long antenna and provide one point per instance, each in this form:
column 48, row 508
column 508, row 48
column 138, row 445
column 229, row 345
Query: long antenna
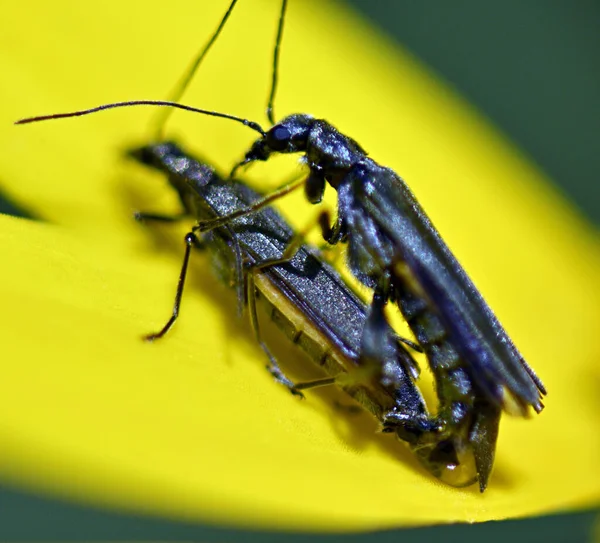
column 157, row 103
column 274, row 77
column 184, row 82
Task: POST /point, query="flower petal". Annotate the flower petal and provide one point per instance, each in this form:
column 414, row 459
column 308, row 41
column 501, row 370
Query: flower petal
column 193, row 426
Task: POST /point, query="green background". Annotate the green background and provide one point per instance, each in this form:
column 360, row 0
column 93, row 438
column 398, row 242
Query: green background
column 29, row 518
column 533, row 68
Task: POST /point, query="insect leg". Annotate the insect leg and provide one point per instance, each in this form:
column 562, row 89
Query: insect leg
column 325, row 381
column 381, row 349
column 332, row 234
column 273, row 366
column 190, row 241
column 293, row 245
column 240, row 282
column 205, row 226
column 141, row 216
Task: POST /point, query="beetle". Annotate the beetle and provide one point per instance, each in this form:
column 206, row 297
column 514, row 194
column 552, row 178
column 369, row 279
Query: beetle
column 394, row 248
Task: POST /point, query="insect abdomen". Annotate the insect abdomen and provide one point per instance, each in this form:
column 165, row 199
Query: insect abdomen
column 452, row 382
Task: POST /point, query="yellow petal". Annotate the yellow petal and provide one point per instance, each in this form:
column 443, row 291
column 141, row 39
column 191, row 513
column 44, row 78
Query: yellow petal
column 193, row 427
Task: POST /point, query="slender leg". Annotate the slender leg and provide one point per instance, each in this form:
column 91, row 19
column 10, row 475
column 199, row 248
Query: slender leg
column 295, row 243
column 273, row 366
column 325, row 381
column 141, row 216
column 240, row 284
column 380, row 345
column 409, row 343
column 190, row 241
column 331, row 234
column 205, row 226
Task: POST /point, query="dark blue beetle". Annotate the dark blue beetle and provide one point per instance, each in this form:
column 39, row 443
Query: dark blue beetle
column 394, row 249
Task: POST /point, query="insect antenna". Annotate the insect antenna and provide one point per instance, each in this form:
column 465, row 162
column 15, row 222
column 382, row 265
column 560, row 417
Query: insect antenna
column 182, row 85
column 274, row 76
column 157, row 103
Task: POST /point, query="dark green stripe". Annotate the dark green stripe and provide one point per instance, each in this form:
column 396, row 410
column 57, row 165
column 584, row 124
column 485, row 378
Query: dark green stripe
column 9, row 207
column 531, row 66
column 25, row 517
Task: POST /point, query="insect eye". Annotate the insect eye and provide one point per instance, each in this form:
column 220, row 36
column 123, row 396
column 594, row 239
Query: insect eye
column 278, row 138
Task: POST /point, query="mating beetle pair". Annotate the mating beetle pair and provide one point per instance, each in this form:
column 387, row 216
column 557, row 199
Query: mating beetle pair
column 395, row 250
